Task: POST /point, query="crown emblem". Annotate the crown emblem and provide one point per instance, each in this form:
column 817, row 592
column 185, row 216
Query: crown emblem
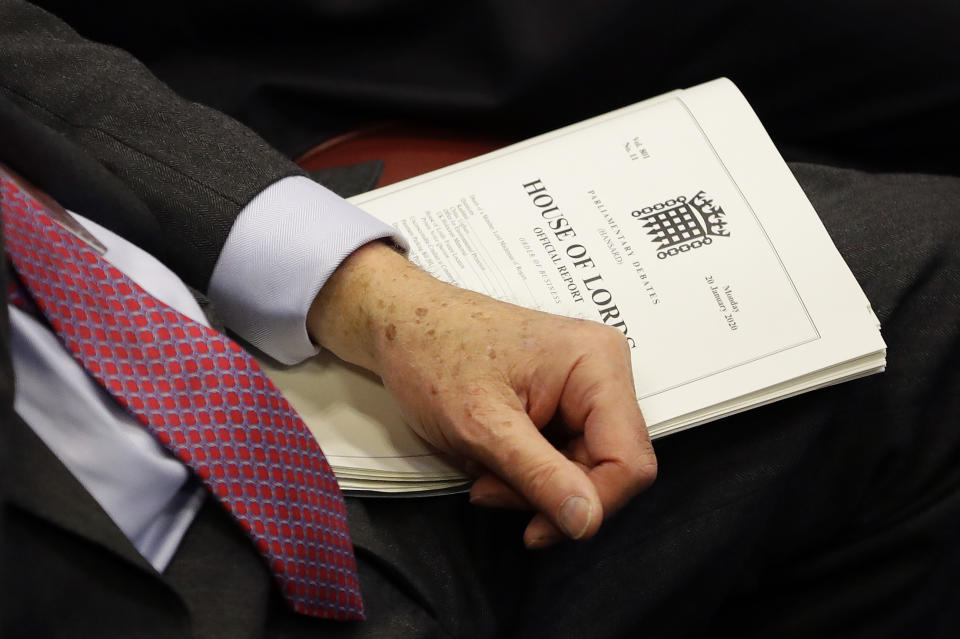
column 680, row 224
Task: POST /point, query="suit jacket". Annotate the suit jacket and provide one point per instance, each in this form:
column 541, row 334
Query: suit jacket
column 96, row 130
column 92, row 127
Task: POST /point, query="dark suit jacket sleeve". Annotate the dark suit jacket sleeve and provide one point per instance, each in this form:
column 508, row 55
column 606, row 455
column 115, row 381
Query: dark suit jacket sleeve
column 191, row 167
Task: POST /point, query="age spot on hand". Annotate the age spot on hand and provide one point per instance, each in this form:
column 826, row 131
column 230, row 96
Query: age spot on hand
column 390, row 332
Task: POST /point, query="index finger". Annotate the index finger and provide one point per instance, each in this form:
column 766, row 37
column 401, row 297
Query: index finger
column 600, row 398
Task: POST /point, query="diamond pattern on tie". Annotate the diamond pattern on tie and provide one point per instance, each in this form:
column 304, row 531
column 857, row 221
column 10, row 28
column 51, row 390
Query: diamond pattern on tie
column 203, row 397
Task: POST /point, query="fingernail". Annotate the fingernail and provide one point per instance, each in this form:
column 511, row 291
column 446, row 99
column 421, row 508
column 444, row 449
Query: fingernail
column 575, row 515
column 542, row 541
column 484, row 501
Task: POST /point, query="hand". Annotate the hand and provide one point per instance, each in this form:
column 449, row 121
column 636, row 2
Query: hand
column 480, row 380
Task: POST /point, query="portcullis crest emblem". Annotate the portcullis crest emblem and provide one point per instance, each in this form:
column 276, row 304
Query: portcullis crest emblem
column 682, row 224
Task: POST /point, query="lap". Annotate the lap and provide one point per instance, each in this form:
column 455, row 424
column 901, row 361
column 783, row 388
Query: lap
column 838, row 501
column 834, row 511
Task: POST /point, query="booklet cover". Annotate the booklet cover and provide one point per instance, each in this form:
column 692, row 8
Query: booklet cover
column 674, row 220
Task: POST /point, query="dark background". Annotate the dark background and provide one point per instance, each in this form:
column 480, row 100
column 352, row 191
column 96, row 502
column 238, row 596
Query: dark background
column 870, row 84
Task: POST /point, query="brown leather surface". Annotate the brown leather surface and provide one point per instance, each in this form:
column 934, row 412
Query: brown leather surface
column 406, row 151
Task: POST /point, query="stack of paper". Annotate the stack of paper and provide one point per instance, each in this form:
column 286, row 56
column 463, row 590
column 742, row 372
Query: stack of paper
column 721, row 274
column 359, row 427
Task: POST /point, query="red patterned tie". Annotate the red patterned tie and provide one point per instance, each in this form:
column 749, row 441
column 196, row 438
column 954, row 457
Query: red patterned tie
column 203, row 397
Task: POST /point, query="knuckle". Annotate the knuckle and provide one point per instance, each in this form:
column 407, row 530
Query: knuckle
column 644, row 472
column 610, row 336
column 601, row 340
column 593, row 392
column 537, row 479
column 476, row 426
column 469, row 433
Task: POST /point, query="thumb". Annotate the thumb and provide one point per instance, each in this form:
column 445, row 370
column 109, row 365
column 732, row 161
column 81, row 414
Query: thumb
column 551, row 483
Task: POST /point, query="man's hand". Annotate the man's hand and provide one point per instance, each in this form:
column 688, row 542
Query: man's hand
column 480, row 379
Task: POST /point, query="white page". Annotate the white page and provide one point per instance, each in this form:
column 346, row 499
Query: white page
column 721, row 315
column 355, row 418
column 734, row 316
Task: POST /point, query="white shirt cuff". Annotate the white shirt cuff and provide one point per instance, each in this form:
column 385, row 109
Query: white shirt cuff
column 282, row 248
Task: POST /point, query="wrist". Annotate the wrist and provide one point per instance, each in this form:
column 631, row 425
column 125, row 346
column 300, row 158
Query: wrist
column 351, row 314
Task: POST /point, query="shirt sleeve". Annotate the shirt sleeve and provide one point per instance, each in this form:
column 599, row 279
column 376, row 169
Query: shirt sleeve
column 282, row 248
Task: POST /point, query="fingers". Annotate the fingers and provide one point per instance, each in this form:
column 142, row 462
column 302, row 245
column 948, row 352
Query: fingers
column 612, row 450
column 623, row 460
column 491, row 492
column 600, row 399
column 538, row 473
column 541, row 533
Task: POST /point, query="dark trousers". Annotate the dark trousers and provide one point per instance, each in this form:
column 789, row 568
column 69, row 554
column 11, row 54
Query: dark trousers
column 836, row 513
